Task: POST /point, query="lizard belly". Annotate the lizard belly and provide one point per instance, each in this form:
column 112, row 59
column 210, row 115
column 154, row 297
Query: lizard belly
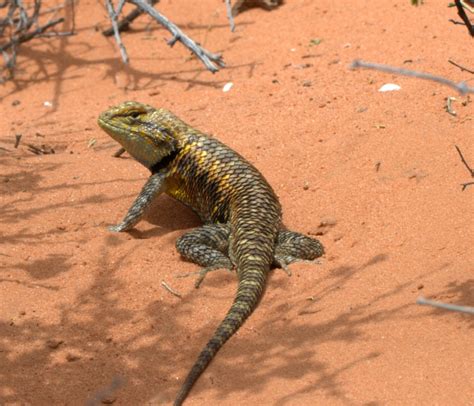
column 206, row 207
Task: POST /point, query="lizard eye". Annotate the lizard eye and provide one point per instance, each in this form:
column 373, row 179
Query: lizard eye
column 135, row 114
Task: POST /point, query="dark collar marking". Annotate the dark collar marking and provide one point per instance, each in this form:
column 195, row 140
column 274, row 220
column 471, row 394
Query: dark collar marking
column 164, row 163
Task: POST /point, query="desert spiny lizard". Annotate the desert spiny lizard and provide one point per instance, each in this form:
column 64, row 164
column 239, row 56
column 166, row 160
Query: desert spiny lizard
column 241, row 213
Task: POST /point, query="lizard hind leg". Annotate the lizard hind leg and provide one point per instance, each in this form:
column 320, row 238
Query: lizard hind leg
column 207, row 246
column 295, row 247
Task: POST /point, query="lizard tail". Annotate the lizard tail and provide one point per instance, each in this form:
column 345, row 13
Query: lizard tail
column 250, row 290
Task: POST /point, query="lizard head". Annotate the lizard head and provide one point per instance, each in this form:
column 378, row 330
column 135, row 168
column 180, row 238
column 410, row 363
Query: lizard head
column 141, row 130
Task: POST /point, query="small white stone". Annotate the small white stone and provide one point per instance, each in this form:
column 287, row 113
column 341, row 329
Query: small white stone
column 227, row 86
column 47, row 104
column 389, row 87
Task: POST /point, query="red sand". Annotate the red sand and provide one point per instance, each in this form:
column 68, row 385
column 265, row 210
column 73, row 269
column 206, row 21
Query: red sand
column 83, row 309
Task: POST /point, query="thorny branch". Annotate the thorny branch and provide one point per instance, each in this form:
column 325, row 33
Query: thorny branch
column 461, row 87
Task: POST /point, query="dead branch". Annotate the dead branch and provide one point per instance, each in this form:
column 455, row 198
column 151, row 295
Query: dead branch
column 471, row 171
column 29, row 36
column 445, row 306
column 211, row 60
column 21, row 24
column 113, row 18
column 228, row 7
column 124, row 23
column 461, row 87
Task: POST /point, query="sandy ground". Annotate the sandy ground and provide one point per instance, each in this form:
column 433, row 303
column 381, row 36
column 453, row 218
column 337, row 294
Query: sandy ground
column 376, row 175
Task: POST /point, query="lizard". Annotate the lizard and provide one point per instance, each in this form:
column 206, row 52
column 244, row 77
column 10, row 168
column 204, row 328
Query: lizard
column 241, row 213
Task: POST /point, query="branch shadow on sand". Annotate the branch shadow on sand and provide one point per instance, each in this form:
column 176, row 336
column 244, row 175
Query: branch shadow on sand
column 108, row 347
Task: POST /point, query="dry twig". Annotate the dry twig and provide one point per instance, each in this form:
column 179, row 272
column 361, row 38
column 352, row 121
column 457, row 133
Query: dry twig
column 471, row 171
column 211, row 60
column 463, row 69
column 461, row 87
column 113, row 14
column 171, row 290
column 445, row 306
column 228, row 7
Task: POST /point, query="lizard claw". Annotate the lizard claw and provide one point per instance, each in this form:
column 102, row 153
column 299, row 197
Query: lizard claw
column 202, row 274
column 281, row 263
column 117, row 228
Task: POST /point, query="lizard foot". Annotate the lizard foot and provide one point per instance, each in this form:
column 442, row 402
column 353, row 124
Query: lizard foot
column 117, row 228
column 283, row 263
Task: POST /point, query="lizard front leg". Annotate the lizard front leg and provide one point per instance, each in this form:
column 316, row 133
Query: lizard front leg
column 152, row 188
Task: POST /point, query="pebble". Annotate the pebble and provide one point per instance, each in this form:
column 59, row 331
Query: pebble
column 53, row 344
column 227, row 86
column 72, row 357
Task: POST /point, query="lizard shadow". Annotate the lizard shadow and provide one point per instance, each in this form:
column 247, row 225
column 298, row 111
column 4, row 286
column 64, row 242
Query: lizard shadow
column 168, row 215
